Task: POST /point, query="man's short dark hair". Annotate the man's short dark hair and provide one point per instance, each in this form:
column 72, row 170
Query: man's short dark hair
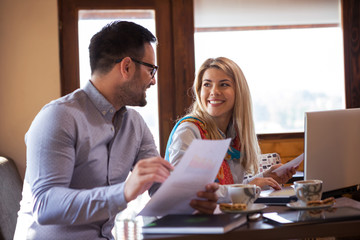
column 117, row 40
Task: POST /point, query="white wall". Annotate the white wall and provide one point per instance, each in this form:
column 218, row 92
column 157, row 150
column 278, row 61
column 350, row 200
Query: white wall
column 29, row 69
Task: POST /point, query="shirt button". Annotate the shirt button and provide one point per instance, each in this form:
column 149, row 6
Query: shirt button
column 103, row 112
column 112, row 129
column 111, row 111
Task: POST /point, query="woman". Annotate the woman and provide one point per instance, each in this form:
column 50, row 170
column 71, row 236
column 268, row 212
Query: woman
column 223, row 109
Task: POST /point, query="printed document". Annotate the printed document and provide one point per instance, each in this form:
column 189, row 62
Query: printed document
column 293, row 163
column 198, row 167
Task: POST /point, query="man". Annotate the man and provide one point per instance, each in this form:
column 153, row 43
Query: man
column 81, row 147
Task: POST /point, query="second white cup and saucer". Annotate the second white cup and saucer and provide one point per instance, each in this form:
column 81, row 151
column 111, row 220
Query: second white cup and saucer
column 309, row 193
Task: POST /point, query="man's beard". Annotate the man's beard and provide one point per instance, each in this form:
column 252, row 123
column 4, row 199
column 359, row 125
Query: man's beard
column 136, row 101
column 142, row 101
column 134, row 97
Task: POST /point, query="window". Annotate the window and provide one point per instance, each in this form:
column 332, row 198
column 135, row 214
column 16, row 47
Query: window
column 90, row 22
column 290, row 69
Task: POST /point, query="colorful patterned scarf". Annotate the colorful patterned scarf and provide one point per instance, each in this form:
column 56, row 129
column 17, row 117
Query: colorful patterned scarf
column 224, row 175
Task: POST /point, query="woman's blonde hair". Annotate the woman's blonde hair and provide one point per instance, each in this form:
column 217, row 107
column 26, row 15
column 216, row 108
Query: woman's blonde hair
column 242, row 116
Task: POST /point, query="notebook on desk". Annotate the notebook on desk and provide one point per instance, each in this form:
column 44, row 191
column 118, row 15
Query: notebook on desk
column 332, row 150
column 195, row 224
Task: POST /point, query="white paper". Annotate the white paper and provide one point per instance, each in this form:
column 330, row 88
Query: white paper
column 198, row 167
column 293, row 163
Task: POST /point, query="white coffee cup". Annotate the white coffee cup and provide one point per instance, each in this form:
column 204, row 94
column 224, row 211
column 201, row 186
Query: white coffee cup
column 308, row 190
column 243, row 193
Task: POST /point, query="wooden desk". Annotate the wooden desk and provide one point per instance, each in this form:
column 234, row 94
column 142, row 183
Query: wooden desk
column 261, row 229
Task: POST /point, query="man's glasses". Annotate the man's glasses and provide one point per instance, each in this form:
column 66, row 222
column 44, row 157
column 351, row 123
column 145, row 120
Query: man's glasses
column 154, row 68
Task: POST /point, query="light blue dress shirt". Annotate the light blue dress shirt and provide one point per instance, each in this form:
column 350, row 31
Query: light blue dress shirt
column 79, row 153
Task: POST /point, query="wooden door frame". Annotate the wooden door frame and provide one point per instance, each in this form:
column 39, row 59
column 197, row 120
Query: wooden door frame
column 350, row 16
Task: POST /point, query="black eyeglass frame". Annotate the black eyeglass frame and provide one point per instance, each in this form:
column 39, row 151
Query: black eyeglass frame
column 153, row 70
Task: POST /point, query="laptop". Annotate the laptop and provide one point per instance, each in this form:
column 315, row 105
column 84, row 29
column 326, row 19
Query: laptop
column 332, row 154
column 279, row 197
column 332, row 150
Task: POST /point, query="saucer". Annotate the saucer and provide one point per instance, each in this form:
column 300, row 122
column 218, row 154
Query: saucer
column 298, row 206
column 255, row 207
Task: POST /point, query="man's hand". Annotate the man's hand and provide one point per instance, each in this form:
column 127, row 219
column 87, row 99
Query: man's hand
column 209, row 203
column 145, row 173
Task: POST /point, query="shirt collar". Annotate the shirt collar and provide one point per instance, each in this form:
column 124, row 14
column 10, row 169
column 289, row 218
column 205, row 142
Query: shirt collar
column 230, row 131
column 104, row 106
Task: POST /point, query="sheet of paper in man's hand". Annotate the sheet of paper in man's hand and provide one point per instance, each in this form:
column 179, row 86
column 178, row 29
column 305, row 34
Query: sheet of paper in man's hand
column 198, row 167
column 293, row 163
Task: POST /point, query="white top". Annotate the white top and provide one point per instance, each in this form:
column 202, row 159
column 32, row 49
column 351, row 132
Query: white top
column 185, row 133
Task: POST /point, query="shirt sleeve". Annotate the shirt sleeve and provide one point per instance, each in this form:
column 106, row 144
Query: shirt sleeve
column 51, row 143
column 259, row 175
column 181, row 140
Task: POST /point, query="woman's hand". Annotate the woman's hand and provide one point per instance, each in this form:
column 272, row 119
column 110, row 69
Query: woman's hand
column 282, row 179
column 266, row 181
column 209, row 202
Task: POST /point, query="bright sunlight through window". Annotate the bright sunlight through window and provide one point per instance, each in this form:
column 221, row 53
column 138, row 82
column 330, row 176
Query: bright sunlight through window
column 289, row 71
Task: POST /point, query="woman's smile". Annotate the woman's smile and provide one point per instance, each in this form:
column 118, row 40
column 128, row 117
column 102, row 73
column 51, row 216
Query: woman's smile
column 218, row 95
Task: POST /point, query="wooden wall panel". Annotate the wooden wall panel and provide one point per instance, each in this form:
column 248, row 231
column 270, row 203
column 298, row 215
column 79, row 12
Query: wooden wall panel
column 184, row 62
column 350, row 10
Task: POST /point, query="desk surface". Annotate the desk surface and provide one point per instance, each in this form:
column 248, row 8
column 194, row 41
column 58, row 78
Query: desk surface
column 261, row 229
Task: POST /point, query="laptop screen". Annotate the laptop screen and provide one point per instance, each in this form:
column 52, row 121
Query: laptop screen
column 332, row 148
